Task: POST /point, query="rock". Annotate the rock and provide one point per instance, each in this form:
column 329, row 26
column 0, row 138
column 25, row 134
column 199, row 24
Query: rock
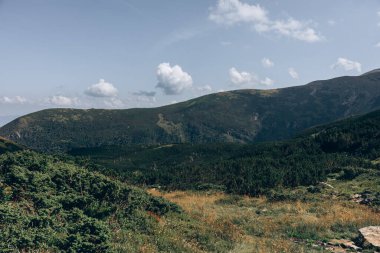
column 367, row 198
column 370, row 237
column 366, row 201
column 347, row 244
column 326, row 185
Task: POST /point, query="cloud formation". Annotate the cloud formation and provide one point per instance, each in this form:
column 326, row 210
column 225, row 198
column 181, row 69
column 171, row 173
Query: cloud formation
column 204, row 89
column 113, row 102
column 293, row 73
column 267, row 63
column 101, row 89
column 241, row 78
column 172, row 80
column 267, row 81
column 62, row 101
column 232, row 12
column 13, row 100
column 347, row 65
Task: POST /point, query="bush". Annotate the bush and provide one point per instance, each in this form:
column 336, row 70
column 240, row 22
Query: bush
column 46, row 204
column 351, row 173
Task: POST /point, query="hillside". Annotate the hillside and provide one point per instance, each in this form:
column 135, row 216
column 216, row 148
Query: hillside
column 8, row 146
column 349, row 146
column 48, row 205
column 241, row 116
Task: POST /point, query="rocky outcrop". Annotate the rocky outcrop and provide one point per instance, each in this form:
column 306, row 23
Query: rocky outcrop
column 367, row 198
column 369, row 237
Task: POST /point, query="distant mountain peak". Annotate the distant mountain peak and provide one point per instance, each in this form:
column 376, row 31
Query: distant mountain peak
column 375, row 71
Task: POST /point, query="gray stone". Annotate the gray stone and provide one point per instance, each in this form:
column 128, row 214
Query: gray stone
column 370, row 237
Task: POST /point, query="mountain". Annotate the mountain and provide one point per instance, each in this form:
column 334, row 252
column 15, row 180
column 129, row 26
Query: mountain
column 372, row 72
column 241, row 116
column 348, row 146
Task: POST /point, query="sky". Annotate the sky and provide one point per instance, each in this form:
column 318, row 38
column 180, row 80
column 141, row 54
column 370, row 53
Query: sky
column 145, row 53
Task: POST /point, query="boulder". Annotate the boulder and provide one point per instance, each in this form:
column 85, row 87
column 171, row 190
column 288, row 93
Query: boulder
column 370, row 237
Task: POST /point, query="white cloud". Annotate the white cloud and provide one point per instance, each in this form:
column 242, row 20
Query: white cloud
column 347, row 65
column 205, row 89
column 267, row 63
column 231, row 12
column 296, row 29
column 293, row 73
column 172, row 80
column 146, row 99
column 101, row 89
column 245, row 78
column 239, row 78
column 13, row 100
column 114, row 102
column 267, row 81
column 377, row 45
column 62, row 101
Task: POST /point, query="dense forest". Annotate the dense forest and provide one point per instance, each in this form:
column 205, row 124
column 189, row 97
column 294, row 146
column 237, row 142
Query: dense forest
column 245, row 169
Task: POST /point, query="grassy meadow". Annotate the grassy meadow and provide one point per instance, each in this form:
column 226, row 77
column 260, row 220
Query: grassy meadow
column 300, row 222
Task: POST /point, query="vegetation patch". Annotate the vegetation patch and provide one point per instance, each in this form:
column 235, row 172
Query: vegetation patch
column 53, row 206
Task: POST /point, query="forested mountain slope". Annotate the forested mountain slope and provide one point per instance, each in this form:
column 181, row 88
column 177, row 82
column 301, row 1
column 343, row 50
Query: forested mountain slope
column 349, row 146
column 241, row 116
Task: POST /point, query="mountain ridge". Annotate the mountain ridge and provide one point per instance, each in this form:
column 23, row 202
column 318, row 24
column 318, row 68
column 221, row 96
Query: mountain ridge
column 241, row 116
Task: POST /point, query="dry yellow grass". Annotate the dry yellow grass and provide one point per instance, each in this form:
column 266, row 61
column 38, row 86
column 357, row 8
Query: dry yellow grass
column 257, row 225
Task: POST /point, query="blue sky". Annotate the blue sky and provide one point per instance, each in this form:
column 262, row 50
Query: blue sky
column 144, row 53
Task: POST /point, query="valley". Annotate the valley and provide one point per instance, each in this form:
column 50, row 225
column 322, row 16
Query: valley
column 218, row 126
